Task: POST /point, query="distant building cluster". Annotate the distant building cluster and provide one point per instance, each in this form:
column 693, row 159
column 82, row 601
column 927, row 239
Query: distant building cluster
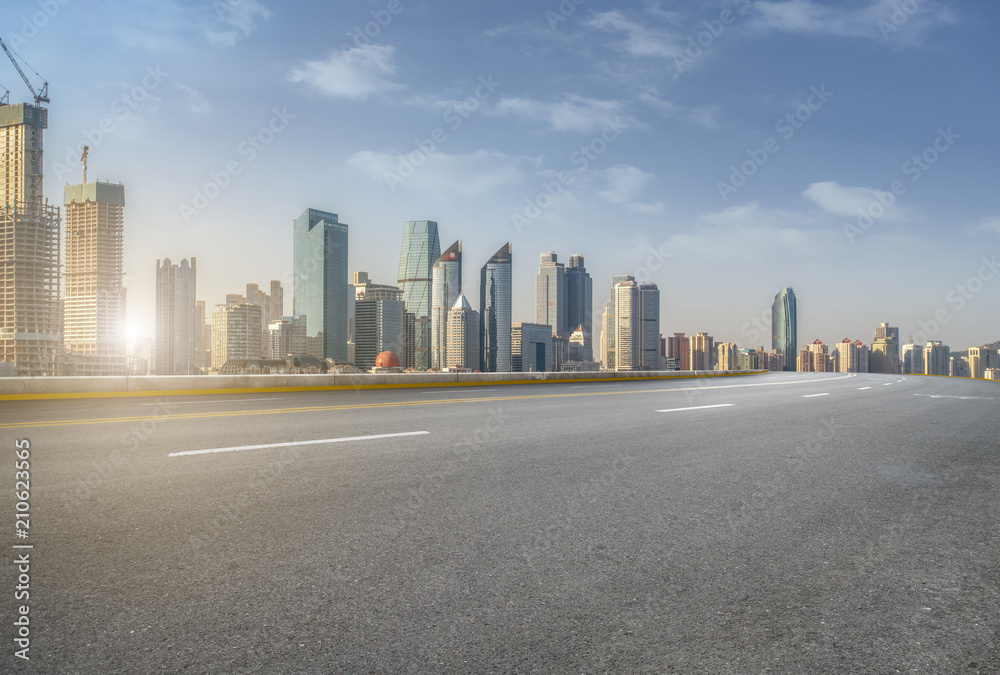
column 70, row 320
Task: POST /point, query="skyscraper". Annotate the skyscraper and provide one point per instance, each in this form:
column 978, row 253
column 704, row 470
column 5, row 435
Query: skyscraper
column 815, row 358
column 846, row 352
column 550, row 295
column 649, row 326
column 320, row 292
column 913, row 359
column 579, row 298
column 30, row 335
column 729, row 357
column 785, row 327
column 494, row 312
column 94, row 308
column 421, row 247
column 177, row 330
column 678, row 349
column 463, row 336
column 627, row 327
column 885, row 350
column 982, row 359
column 446, row 286
column 380, row 325
column 531, row 348
column 608, row 327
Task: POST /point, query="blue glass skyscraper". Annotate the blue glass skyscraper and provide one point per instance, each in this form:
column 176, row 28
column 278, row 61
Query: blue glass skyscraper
column 494, row 315
column 421, row 248
column 785, row 328
column 320, row 283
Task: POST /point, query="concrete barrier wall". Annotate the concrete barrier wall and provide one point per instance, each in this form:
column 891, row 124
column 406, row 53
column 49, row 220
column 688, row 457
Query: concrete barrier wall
column 28, row 388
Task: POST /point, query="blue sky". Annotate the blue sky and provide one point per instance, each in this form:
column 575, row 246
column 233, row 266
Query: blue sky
column 722, row 149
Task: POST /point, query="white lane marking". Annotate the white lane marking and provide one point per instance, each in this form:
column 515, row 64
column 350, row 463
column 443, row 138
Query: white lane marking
column 887, row 384
column 961, row 398
column 287, row 445
column 863, row 388
column 700, row 407
column 456, row 391
column 591, row 386
column 232, row 400
column 814, row 395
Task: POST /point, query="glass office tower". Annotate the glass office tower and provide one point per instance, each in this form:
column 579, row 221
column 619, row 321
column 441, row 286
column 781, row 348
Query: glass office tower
column 494, row 314
column 320, row 283
column 785, row 328
column 446, row 286
column 421, row 248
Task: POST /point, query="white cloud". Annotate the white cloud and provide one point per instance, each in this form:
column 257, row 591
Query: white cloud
column 639, row 39
column 235, row 20
column 624, row 183
column 194, row 100
column 356, row 73
column 646, row 207
column 571, row 113
column 707, row 117
column 443, row 176
column 879, row 19
column 843, row 200
column 988, row 224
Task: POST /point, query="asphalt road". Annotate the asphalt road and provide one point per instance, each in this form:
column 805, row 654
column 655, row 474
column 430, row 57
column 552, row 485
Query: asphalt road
column 783, row 523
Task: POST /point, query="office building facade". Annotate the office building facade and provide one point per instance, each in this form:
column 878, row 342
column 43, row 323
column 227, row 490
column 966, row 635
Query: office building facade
column 320, row 290
column 785, row 327
column 177, row 330
column 495, row 298
column 463, row 337
column 531, row 348
column 446, row 286
column 421, row 247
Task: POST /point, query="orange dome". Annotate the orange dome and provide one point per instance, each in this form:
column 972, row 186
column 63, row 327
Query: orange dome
column 387, row 360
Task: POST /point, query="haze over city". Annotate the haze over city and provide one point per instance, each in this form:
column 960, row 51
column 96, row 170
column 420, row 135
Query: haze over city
column 388, row 112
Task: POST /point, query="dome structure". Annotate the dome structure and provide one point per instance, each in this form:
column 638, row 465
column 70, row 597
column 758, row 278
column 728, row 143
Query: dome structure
column 387, row 360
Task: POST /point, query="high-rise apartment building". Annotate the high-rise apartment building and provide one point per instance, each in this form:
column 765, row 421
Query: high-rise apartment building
column 913, row 359
column 815, row 358
column 847, row 356
column 463, row 336
column 700, row 349
column 203, row 337
column 885, row 350
column 678, row 350
column 937, row 358
column 982, row 359
column 627, row 327
column 579, row 299
column 446, row 286
column 495, row 296
column 236, row 334
column 30, row 319
column 531, row 348
column 320, row 292
column 729, row 357
column 785, row 327
column 177, row 330
column 421, row 247
column 94, row 305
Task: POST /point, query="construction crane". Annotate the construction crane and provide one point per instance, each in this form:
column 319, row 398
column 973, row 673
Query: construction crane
column 83, row 158
column 40, row 97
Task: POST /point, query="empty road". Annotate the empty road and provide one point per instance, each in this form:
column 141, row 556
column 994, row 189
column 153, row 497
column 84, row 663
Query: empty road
column 782, row 523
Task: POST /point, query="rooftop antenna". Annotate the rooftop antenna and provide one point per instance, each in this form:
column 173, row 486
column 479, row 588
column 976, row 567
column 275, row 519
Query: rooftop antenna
column 83, row 158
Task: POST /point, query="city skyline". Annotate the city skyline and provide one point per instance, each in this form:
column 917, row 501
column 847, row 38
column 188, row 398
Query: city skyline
column 788, row 218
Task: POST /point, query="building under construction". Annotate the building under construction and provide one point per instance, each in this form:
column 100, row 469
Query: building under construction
column 30, row 338
column 29, row 247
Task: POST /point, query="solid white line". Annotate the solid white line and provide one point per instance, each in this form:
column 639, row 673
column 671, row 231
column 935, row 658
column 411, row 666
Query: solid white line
column 886, row 384
column 455, row 391
column 863, row 388
column 232, row 400
column 814, row 395
column 286, row 445
column 700, row 407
